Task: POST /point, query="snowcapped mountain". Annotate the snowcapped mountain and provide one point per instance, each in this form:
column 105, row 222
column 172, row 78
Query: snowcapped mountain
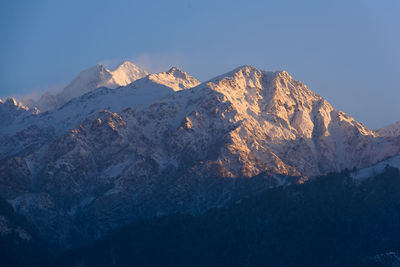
column 137, row 94
column 390, row 130
column 88, row 80
column 124, row 74
column 13, row 112
column 167, row 143
column 174, row 78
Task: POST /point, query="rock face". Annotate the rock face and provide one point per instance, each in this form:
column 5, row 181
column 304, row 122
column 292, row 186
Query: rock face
column 166, row 143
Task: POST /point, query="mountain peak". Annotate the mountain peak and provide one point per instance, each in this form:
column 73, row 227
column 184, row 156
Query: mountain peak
column 86, row 81
column 96, row 68
column 126, row 73
column 126, row 65
column 90, row 79
column 11, row 105
column 249, row 71
column 283, row 73
column 245, row 68
column 96, row 72
column 10, row 101
column 178, row 73
column 278, row 82
column 174, row 78
column 242, row 72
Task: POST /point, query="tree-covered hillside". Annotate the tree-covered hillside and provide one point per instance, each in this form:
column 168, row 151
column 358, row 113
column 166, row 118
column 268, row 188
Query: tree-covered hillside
column 330, row 221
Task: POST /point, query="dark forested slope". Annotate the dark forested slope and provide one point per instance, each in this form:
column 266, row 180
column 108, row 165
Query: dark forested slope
column 330, row 221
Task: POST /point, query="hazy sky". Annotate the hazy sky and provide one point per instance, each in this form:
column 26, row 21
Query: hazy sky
column 346, row 51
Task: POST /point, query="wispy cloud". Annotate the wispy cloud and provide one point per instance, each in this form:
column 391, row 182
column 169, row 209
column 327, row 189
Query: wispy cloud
column 157, row 62
column 36, row 93
column 152, row 62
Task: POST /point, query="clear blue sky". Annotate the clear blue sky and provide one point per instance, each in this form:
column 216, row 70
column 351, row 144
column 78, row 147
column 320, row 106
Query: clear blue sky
column 347, row 51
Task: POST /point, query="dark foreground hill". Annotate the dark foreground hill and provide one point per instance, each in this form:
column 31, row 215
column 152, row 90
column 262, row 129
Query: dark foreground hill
column 330, row 221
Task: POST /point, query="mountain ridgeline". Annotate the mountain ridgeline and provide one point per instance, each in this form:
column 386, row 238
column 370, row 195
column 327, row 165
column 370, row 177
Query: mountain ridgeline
column 116, row 147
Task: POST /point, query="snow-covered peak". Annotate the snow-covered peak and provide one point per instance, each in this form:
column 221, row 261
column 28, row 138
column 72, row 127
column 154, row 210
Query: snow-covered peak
column 390, row 130
column 96, row 71
column 10, row 101
column 233, row 74
column 126, row 65
column 278, row 91
column 13, row 111
column 273, row 110
column 178, row 73
column 99, row 76
column 126, row 73
column 88, row 80
column 279, row 83
column 136, row 95
column 174, row 78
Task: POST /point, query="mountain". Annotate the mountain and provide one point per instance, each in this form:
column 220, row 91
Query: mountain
column 125, row 73
column 284, row 127
column 390, row 130
column 136, row 95
column 174, row 78
column 13, row 112
column 100, row 76
column 88, row 80
column 167, row 143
